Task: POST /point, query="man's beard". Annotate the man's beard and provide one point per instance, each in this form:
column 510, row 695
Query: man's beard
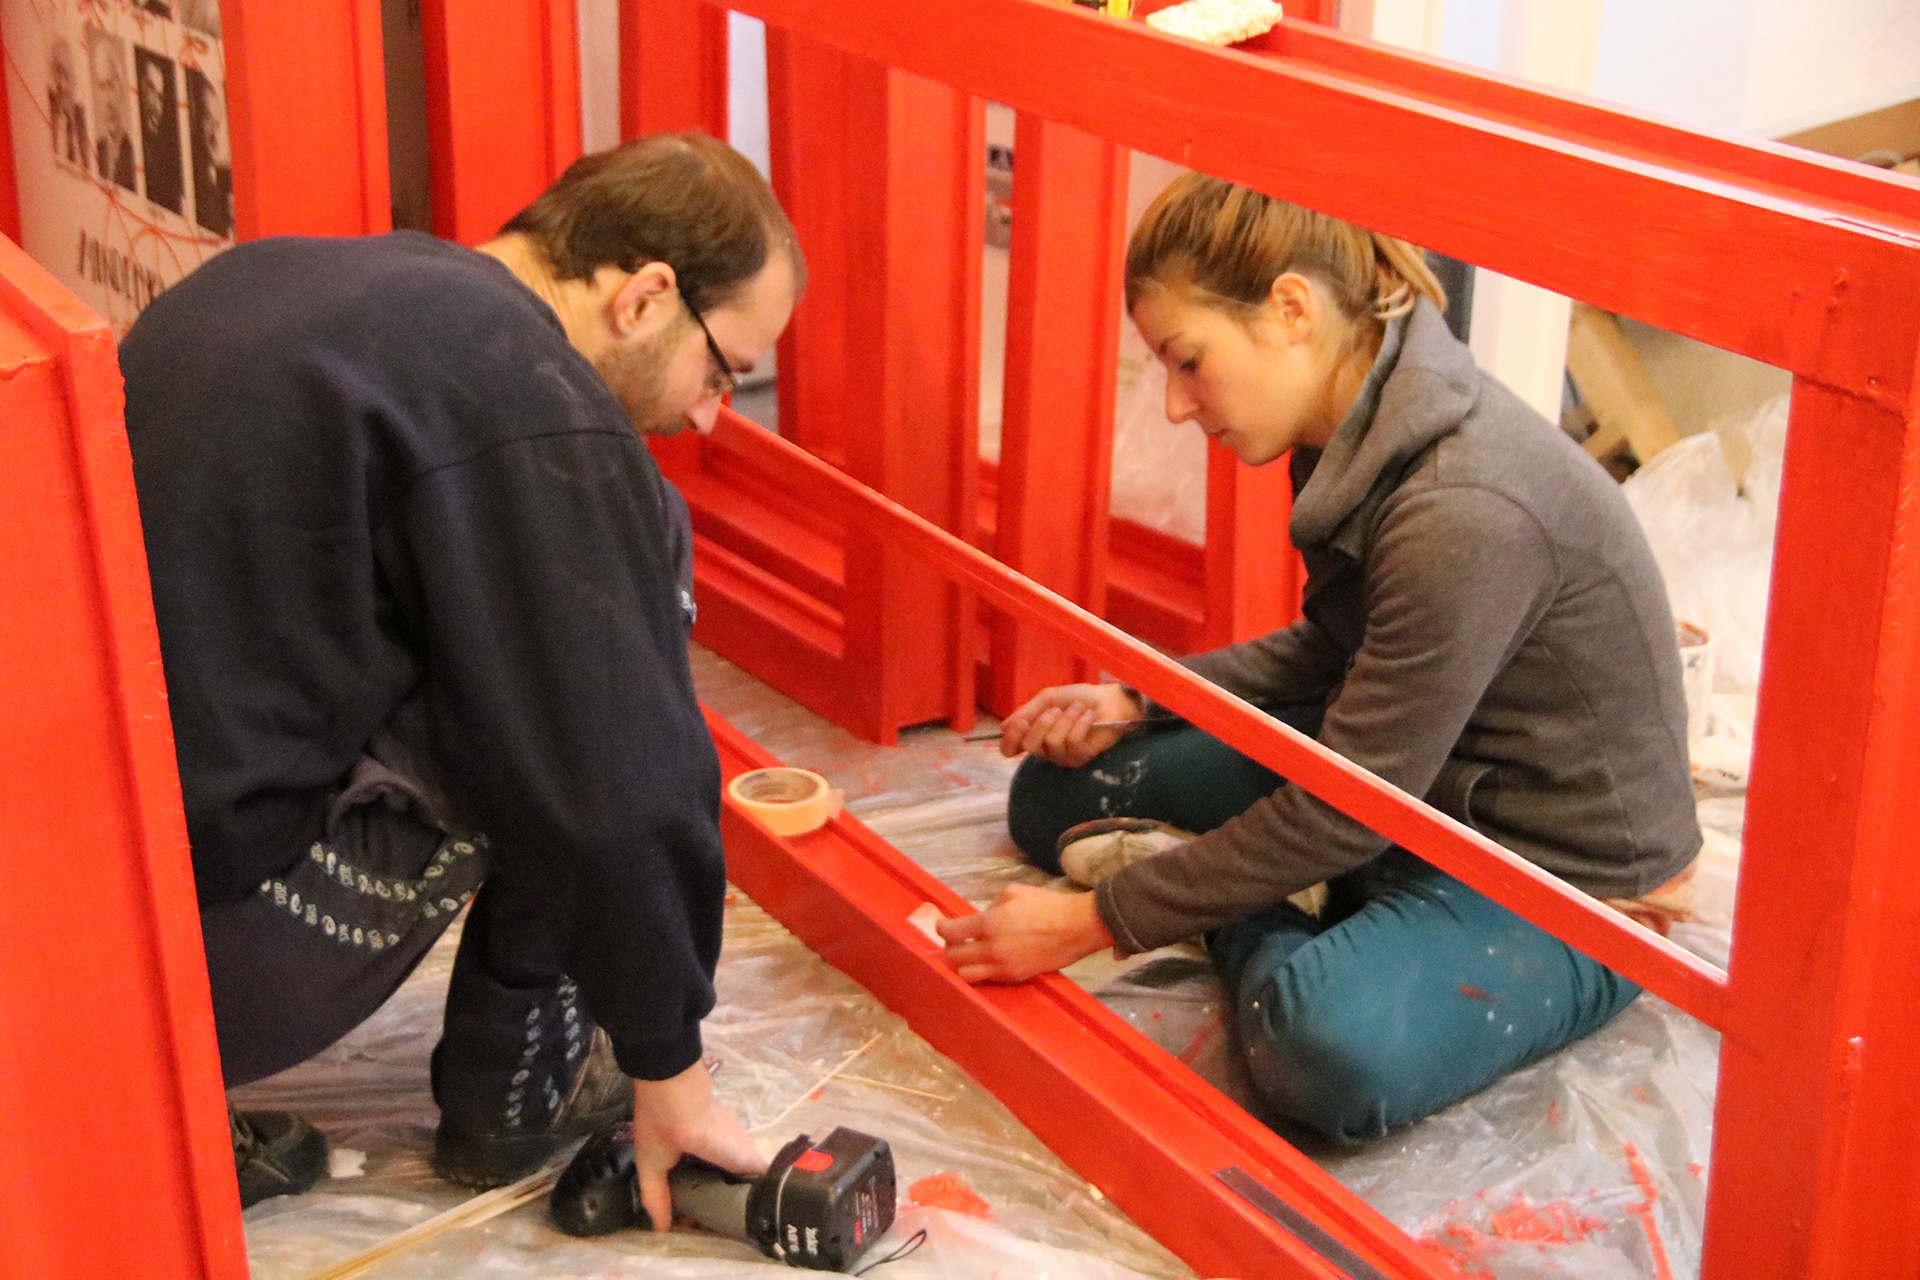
column 637, row 375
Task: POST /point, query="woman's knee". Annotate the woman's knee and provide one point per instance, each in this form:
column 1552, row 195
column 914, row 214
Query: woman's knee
column 1041, row 803
column 1320, row 1070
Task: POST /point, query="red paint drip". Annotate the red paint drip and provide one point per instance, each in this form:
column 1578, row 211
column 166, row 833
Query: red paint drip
column 1474, row 993
column 1644, row 1210
column 1556, row 1223
column 1464, row 1249
column 944, row 1190
column 1553, row 1113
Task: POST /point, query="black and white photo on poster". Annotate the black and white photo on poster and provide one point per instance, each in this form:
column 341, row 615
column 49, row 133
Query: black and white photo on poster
column 159, row 129
column 113, row 145
column 65, row 112
column 202, row 16
column 212, row 159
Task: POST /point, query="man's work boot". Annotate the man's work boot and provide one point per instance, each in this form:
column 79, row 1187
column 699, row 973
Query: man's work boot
column 518, row 1074
column 274, row 1154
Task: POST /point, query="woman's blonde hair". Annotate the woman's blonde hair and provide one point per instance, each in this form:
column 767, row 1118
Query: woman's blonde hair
column 1207, row 237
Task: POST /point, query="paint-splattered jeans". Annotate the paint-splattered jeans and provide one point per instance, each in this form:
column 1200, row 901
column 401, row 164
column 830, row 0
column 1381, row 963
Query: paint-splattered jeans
column 1410, row 992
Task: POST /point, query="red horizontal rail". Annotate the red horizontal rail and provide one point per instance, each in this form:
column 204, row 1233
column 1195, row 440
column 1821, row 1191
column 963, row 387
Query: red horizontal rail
column 1574, row 917
column 1835, row 297
column 1144, row 1128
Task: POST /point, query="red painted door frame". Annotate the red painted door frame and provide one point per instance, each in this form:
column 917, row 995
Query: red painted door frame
column 117, row 1160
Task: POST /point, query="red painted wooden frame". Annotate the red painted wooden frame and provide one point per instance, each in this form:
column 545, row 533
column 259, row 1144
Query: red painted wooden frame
column 486, row 65
column 116, row 1157
column 1801, row 262
column 307, row 115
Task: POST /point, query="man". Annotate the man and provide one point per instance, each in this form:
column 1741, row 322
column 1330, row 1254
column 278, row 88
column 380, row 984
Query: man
column 424, row 603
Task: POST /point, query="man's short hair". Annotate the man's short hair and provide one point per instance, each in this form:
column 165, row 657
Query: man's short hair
column 679, row 198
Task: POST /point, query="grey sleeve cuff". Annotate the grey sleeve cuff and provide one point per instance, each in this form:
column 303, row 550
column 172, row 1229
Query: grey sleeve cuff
column 1124, row 940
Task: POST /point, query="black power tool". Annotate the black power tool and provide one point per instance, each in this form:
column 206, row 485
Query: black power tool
column 819, row 1205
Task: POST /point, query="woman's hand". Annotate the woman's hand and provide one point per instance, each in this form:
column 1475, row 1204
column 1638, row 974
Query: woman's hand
column 1057, row 724
column 1026, row 932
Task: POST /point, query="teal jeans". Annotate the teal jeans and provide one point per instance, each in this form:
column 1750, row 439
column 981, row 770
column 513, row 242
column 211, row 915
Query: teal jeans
column 1410, row 992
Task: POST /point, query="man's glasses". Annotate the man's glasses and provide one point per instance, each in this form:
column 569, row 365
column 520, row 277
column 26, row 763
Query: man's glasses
column 723, row 380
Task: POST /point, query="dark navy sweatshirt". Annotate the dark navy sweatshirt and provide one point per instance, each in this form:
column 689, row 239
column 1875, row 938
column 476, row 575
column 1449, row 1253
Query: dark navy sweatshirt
column 373, row 469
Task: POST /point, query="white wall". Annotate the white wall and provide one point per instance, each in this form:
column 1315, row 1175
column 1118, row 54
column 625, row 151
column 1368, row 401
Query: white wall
column 1765, row 67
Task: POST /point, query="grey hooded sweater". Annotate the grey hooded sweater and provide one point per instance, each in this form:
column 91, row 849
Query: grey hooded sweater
column 1489, row 631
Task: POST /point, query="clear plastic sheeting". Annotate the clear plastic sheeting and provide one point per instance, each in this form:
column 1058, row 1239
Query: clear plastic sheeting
column 1589, row 1164
column 1709, row 505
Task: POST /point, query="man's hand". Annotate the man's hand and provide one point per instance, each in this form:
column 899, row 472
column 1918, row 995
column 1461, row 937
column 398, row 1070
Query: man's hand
column 1056, row 724
column 680, row 1116
column 1026, row 932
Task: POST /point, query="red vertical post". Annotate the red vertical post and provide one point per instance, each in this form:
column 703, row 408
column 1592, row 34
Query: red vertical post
column 808, row 121
column 914, row 228
column 1063, row 334
column 673, row 67
column 1253, row 575
column 1813, row 1170
column 109, row 1048
column 307, row 111
column 503, row 108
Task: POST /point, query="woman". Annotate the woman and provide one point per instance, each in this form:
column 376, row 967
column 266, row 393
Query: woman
column 1484, row 627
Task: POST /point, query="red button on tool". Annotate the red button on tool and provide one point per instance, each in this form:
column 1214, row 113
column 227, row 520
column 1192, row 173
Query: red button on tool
column 813, row 1161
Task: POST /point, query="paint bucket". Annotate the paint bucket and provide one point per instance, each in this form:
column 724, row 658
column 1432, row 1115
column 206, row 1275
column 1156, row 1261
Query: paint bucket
column 1696, row 677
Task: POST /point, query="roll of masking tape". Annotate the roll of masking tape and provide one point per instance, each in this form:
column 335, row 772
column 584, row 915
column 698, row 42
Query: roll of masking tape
column 788, row 802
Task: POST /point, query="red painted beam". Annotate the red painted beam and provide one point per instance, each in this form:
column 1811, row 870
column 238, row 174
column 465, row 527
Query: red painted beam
column 109, row 1073
column 1253, row 575
column 1547, row 901
column 1063, row 337
column 1125, row 1114
column 673, row 68
column 1816, row 1116
column 307, row 110
column 503, row 108
column 1835, row 297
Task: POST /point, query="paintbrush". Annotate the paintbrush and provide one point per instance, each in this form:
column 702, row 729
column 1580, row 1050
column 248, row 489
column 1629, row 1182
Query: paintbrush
column 994, row 735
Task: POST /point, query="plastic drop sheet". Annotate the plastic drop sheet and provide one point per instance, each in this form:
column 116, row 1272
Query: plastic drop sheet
column 1589, row 1164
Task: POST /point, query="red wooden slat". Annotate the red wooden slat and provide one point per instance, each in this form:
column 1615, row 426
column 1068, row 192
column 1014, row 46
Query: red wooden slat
column 1063, row 334
column 109, row 1074
column 9, row 185
column 1655, row 963
column 307, row 111
column 1133, row 1120
column 503, row 108
column 1253, row 574
column 1826, row 872
column 1836, row 295
column 673, row 68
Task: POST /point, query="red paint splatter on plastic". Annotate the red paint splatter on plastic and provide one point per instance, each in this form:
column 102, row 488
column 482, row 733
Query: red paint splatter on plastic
column 1474, row 993
column 1644, row 1210
column 1697, row 1170
column 945, row 1190
column 1553, row 1113
column 1156, row 1015
column 1464, row 1249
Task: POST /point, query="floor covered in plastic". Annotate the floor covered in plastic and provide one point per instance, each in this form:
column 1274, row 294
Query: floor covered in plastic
column 1590, row 1164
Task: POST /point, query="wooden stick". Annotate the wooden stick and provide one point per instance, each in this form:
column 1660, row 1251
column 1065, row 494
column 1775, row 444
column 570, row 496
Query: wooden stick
column 482, row 1208
column 994, row 735
column 897, row 1088
column 811, row 1089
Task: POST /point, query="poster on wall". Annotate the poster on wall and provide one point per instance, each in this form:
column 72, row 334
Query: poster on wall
column 119, row 114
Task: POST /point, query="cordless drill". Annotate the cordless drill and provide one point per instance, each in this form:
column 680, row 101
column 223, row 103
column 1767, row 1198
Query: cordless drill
column 819, row 1205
